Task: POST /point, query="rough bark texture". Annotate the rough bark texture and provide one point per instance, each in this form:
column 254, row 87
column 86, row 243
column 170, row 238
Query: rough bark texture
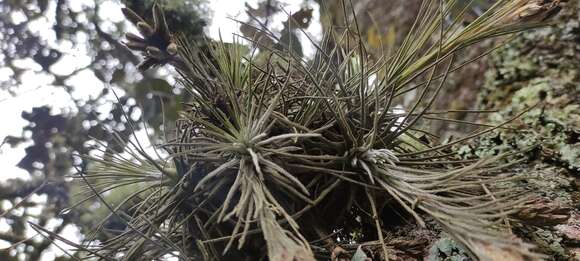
column 539, row 66
column 542, row 67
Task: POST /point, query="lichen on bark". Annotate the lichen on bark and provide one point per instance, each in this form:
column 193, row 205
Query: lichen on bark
column 540, row 68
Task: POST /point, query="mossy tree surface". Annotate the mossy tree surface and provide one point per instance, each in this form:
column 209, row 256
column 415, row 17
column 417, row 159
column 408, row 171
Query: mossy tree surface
column 542, row 65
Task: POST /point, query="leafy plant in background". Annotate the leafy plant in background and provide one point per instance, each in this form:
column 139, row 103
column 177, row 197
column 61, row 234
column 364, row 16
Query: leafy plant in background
column 285, row 39
column 272, row 159
column 38, row 39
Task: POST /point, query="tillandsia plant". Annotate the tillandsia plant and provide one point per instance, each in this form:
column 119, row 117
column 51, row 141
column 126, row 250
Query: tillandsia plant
column 271, row 160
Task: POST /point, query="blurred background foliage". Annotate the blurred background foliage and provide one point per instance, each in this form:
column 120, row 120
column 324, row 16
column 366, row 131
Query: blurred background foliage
column 54, row 136
column 44, row 38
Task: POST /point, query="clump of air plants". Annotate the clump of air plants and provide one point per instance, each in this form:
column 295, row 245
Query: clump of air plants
column 272, row 159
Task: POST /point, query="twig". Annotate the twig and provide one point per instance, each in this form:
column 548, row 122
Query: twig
column 378, row 225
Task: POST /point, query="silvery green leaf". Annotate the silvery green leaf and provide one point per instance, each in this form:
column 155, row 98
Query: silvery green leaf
column 359, row 255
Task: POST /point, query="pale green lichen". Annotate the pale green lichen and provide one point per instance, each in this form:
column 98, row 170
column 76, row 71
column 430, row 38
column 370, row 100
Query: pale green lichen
column 539, row 68
column 570, row 153
column 550, row 182
column 549, row 242
column 446, row 249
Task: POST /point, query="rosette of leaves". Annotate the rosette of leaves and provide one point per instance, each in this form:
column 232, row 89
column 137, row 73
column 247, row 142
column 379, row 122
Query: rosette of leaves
column 271, row 159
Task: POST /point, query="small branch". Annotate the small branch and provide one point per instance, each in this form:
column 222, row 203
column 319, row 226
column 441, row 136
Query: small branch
column 12, row 238
column 378, row 225
column 17, row 205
